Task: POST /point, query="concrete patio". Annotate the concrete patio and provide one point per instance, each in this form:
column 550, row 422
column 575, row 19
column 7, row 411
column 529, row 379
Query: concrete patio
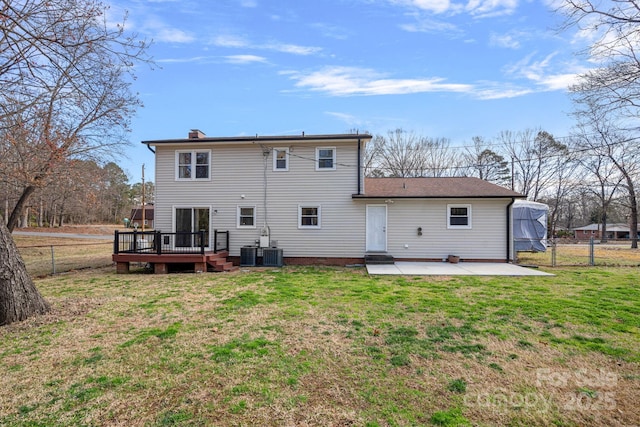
column 448, row 269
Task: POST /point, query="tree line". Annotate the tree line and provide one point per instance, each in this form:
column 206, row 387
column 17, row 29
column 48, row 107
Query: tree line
column 587, row 177
column 86, row 193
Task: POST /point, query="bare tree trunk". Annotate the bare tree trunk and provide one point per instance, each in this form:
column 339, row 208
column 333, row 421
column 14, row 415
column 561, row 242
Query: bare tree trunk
column 633, row 227
column 18, row 210
column 603, row 231
column 25, row 218
column 19, row 297
column 41, row 214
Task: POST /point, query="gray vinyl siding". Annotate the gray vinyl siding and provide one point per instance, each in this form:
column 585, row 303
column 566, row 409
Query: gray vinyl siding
column 487, row 239
column 238, row 170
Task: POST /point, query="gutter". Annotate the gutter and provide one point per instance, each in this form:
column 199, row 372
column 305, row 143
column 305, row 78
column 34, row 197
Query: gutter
column 359, row 172
column 442, row 196
column 513, row 199
column 258, row 139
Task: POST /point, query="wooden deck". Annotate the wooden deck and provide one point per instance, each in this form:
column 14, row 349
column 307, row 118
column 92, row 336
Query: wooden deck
column 210, row 261
column 164, row 251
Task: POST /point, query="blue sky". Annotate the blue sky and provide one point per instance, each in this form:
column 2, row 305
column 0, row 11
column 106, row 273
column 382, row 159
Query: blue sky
column 439, row 68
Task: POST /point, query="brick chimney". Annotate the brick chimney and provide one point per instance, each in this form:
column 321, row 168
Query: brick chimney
column 196, row 134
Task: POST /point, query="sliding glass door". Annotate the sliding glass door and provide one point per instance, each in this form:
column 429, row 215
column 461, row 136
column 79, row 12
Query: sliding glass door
column 188, row 221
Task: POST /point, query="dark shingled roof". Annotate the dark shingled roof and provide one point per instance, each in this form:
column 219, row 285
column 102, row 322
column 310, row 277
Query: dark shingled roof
column 457, row 187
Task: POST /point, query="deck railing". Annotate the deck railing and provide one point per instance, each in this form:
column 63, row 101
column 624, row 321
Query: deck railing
column 157, row 242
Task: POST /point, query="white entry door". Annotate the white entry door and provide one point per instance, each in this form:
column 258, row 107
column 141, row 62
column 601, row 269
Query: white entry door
column 376, row 228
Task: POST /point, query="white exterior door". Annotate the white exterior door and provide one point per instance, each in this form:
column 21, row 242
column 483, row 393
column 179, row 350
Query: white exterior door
column 376, row 228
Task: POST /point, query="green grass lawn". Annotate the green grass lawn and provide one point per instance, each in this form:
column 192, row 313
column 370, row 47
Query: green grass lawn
column 327, row 346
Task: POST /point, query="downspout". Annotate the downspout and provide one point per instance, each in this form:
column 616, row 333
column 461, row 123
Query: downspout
column 151, row 149
column 359, row 167
column 513, row 200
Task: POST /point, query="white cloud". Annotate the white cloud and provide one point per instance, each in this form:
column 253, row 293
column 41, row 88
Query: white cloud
column 559, row 81
column 435, row 6
column 232, row 41
column 501, row 91
column 545, row 73
column 477, row 8
column 353, row 81
column 244, row 59
column 182, row 60
column 489, row 8
column 162, row 32
column 229, row 41
column 425, row 25
column 509, row 41
column 290, row 48
column 349, row 119
column 173, row 35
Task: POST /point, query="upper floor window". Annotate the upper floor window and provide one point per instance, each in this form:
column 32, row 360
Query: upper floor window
column 325, row 158
column 192, row 165
column 281, row 159
column 458, row 216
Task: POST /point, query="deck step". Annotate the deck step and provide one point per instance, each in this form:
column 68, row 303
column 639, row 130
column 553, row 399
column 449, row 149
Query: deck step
column 378, row 259
column 218, row 262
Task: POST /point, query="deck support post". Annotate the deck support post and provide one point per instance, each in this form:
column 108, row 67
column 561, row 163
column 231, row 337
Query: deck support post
column 122, row 267
column 160, row 268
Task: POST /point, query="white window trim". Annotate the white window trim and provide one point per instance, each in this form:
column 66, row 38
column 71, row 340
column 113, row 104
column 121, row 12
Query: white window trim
column 318, row 168
column 309, row 227
column 469, row 216
column 193, row 165
column 238, row 225
column 275, row 159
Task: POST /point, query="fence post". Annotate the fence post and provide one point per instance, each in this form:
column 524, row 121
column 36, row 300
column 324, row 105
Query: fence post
column 215, row 241
column 592, row 260
column 53, row 261
column 158, row 241
column 116, row 243
column 553, row 253
column 202, row 244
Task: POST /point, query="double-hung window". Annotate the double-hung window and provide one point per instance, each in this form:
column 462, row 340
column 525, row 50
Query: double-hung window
column 325, row 158
column 193, row 165
column 246, row 217
column 458, row 216
column 281, row 159
column 309, row 216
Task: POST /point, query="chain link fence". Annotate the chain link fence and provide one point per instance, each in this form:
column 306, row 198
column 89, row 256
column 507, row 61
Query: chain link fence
column 46, row 259
column 591, row 252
